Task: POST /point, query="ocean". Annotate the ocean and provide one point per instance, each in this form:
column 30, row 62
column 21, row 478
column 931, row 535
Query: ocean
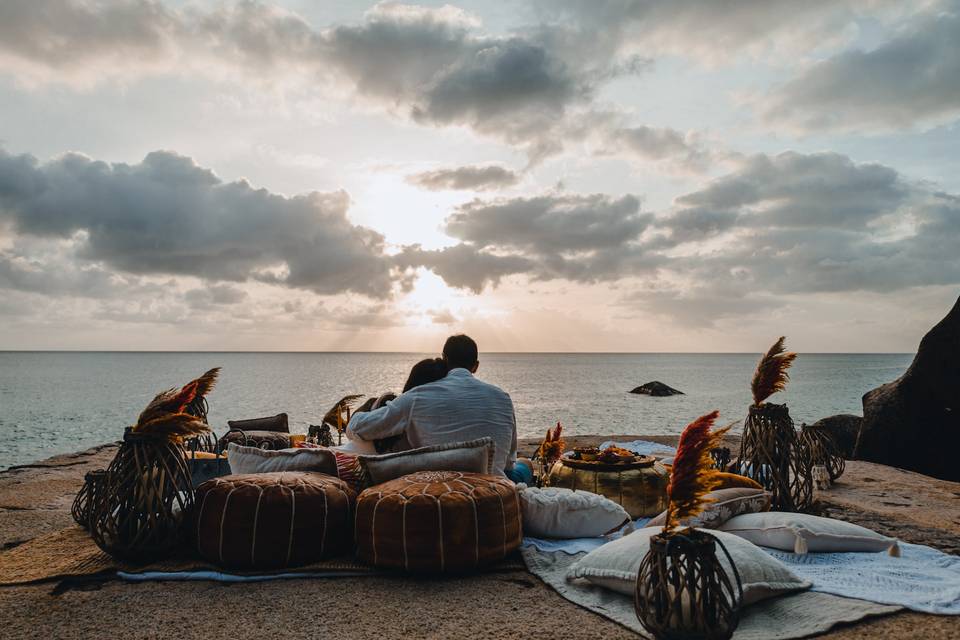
column 59, row 402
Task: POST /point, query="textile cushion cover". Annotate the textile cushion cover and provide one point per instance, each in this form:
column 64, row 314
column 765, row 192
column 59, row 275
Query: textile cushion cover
column 262, row 439
column 615, row 566
column 273, row 520
column 555, row 512
column 272, row 423
column 254, row 460
column 438, row 521
column 724, row 504
column 472, row 456
column 799, row 532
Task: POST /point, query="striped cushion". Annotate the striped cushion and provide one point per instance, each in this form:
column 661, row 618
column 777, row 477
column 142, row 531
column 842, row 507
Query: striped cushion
column 438, row 521
column 273, row 520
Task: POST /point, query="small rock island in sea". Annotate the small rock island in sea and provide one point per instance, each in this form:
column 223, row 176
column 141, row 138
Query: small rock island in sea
column 656, row 388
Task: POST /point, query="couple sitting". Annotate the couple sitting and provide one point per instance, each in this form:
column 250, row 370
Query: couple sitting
column 443, row 402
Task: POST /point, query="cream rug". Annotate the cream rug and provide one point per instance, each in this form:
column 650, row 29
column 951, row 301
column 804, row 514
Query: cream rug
column 794, row 616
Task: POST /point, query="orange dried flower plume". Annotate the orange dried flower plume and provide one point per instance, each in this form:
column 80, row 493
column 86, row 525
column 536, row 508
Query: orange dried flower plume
column 693, row 475
column 553, row 445
column 165, row 415
column 771, row 374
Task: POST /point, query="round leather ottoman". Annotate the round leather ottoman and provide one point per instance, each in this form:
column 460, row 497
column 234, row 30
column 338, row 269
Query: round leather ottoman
column 438, row 521
column 273, row 520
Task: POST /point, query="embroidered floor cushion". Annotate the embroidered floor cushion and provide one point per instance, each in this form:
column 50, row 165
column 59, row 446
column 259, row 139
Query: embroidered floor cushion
column 438, row 521
column 259, row 439
column 273, row 520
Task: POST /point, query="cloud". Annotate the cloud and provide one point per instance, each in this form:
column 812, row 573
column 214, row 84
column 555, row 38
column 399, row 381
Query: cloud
column 166, row 215
column 662, row 144
column 700, row 306
column 817, row 223
column 214, row 295
column 468, row 178
column 465, row 267
column 824, row 190
column 532, row 88
column 442, row 316
column 741, row 26
column 583, row 238
column 912, row 79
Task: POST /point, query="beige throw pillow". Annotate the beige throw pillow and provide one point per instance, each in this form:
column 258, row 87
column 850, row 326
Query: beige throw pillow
column 553, row 512
column 725, row 504
column 800, row 533
column 472, row 456
column 615, row 566
column 253, row 460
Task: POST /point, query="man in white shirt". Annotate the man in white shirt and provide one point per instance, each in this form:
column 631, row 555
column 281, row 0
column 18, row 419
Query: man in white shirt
column 455, row 408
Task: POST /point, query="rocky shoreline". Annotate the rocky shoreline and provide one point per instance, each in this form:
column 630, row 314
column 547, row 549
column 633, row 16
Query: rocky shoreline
column 35, row 499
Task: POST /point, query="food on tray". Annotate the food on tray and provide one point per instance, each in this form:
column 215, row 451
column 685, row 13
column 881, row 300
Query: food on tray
column 587, row 454
column 616, row 454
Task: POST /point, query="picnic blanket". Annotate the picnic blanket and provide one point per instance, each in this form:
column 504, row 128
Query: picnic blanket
column 794, row 616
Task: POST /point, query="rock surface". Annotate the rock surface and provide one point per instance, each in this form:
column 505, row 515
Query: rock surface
column 656, row 388
column 914, row 421
column 844, row 427
column 36, row 498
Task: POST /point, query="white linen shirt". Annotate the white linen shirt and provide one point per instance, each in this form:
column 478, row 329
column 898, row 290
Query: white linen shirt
column 456, row 408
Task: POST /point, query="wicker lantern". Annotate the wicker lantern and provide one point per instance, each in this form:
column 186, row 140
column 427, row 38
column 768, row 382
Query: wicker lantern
column 772, row 454
column 93, row 483
column 822, row 450
column 147, row 495
column 770, row 451
column 683, row 592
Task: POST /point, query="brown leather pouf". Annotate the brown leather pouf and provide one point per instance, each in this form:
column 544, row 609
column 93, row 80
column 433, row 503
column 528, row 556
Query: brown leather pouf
column 273, row 520
column 437, row 521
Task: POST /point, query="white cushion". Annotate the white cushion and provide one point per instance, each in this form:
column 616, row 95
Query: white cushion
column 801, row 533
column 253, row 460
column 553, row 512
column 615, row 566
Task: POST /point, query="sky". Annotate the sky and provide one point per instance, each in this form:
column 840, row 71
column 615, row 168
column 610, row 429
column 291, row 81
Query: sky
column 555, row 175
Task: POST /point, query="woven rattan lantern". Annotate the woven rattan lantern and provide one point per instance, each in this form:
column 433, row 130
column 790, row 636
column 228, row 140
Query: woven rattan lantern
column 822, row 449
column 771, row 453
column 770, row 450
column 93, row 483
column 140, row 513
column 683, row 592
column 148, row 493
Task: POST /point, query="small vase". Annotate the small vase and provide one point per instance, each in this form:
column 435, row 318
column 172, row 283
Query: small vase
column 139, row 515
column 683, row 591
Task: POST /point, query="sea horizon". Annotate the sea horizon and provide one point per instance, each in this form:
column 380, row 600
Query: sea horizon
column 64, row 401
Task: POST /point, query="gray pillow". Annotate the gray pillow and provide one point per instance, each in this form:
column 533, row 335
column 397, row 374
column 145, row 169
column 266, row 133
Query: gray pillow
column 472, row 456
column 253, row 460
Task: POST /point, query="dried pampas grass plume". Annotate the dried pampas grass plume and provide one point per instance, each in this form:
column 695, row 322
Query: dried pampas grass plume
column 693, row 475
column 771, row 375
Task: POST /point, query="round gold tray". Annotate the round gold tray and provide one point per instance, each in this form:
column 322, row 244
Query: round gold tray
column 639, row 462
